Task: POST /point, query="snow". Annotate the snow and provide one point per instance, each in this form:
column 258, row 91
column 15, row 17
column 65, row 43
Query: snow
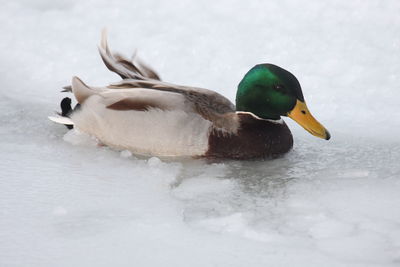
column 68, row 201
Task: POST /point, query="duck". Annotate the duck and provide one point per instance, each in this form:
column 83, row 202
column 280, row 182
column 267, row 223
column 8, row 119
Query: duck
column 150, row 117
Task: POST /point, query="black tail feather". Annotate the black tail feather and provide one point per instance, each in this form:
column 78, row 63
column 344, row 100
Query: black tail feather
column 66, row 109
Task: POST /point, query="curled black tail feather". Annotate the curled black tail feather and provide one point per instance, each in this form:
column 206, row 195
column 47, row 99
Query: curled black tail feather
column 66, row 109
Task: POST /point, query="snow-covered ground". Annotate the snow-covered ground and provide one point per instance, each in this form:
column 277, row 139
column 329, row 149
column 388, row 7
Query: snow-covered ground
column 67, row 202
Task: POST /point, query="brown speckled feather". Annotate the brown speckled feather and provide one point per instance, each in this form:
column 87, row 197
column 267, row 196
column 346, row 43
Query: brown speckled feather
column 135, row 104
column 126, row 69
column 209, row 104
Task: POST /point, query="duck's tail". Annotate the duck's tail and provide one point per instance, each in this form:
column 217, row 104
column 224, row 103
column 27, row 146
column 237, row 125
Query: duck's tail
column 63, row 116
column 125, row 68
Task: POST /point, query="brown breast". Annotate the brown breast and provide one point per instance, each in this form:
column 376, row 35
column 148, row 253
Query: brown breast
column 254, row 139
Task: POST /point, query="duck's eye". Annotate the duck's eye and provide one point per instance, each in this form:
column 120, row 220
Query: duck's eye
column 280, row 87
column 303, row 111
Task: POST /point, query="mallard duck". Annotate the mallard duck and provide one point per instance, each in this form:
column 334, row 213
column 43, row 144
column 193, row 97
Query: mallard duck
column 147, row 116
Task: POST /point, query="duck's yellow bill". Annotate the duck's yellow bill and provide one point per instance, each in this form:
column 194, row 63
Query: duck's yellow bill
column 302, row 116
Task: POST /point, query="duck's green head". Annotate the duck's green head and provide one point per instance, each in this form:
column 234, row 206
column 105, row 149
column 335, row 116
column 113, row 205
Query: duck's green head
column 270, row 92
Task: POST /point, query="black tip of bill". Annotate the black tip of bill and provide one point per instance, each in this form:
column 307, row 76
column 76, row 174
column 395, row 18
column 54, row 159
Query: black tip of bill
column 327, row 135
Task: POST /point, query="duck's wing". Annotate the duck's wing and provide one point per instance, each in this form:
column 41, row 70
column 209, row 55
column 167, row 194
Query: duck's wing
column 125, row 68
column 136, row 75
column 209, row 104
column 143, row 95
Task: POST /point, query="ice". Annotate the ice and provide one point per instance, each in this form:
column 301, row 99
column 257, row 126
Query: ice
column 126, row 154
column 76, row 137
column 60, row 211
column 67, row 200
